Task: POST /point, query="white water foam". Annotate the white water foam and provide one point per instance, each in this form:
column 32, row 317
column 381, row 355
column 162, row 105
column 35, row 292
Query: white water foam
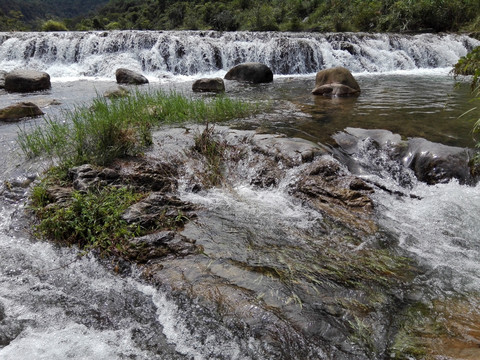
column 160, row 55
column 442, row 230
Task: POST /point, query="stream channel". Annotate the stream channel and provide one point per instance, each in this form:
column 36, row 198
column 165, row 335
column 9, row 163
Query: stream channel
column 281, row 278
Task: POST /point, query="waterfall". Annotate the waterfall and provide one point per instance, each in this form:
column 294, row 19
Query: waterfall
column 166, row 53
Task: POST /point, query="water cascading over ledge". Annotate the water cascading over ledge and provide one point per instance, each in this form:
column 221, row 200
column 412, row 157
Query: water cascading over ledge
column 160, row 53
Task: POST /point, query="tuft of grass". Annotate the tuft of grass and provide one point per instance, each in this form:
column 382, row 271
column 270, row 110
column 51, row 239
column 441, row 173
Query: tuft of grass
column 115, row 128
column 90, row 220
column 213, row 150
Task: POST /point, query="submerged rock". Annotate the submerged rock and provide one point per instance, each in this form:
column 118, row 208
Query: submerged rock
column 216, row 85
column 130, row 77
column 20, row 111
column 250, row 72
column 27, row 81
column 118, row 92
column 337, row 81
column 155, row 247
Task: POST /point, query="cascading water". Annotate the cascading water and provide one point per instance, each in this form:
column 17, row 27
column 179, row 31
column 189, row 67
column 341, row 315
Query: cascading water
column 56, row 305
column 98, row 54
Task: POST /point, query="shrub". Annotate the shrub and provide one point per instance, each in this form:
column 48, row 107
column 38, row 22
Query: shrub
column 89, row 220
column 52, row 25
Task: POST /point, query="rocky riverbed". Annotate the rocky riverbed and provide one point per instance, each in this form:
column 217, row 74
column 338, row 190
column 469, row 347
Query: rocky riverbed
column 297, row 261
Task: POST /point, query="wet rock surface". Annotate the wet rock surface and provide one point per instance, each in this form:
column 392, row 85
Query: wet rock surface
column 405, row 160
column 284, row 247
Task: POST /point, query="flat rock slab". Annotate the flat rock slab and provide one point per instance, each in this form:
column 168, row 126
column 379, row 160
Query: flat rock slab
column 27, row 81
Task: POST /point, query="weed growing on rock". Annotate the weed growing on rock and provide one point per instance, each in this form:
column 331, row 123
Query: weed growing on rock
column 88, row 219
column 213, row 150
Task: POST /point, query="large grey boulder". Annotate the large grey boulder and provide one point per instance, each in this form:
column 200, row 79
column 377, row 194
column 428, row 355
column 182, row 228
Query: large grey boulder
column 126, row 76
column 19, row 111
column 216, row 85
column 385, row 154
column 250, row 72
column 337, row 81
column 27, row 81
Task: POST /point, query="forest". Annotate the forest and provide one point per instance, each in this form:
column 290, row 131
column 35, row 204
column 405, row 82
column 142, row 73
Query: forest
column 252, row 15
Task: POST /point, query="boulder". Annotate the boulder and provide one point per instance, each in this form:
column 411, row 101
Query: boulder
column 337, row 81
column 3, row 73
column 250, row 72
column 20, row 111
column 119, row 92
column 27, row 81
column 125, row 76
column 435, row 163
column 385, row 154
column 216, row 85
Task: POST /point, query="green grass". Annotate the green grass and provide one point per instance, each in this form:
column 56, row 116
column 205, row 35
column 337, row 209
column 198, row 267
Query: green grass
column 213, row 151
column 88, row 220
column 110, row 129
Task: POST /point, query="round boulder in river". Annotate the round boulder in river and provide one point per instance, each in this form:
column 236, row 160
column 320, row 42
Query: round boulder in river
column 27, row 81
column 126, row 76
column 216, row 85
column 337, row 81
column 250, row 72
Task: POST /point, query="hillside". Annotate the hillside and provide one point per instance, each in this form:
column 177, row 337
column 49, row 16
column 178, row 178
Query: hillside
column 29, row 14
column 255, row 15
column 289, row 15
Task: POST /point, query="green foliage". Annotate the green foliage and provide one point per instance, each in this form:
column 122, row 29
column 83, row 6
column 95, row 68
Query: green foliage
column 90, row 220
column 295, row 15
column 470, row 65
column 231, row 15
column 52, row 25
column 21, row 15
column 121, row 127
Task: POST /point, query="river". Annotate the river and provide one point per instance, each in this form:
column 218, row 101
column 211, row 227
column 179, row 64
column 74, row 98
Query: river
column 55, row 304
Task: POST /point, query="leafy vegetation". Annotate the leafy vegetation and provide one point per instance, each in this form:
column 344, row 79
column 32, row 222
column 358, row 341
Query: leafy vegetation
column 91, row 220
column 27, row 15
column 52, row 25
column 288, row 15
column 110, row 129
column 231, row 15
column 470, row 65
